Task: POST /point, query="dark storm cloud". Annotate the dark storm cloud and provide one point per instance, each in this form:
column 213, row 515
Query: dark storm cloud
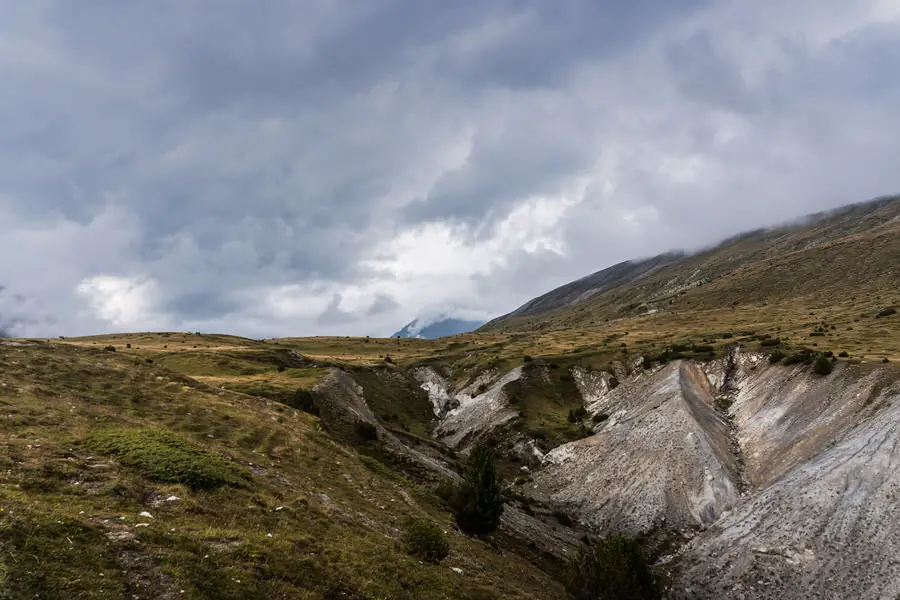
column 303, row 167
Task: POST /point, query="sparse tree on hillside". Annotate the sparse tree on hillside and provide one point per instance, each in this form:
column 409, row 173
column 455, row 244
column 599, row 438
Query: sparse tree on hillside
column 822, row 366
column 478, row 501
column 612, row 569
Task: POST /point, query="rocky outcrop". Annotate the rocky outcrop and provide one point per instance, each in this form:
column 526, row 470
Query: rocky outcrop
column 342, row 405
column 437, row 388
column 824, row 453
column 482, row 407
column 661, row 460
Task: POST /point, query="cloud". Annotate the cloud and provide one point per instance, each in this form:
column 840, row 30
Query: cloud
column 127, row 303
column 343, row 167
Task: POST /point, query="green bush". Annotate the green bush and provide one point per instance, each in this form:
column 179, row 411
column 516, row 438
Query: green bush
column 885, row 360
column 844, row 354
column 110, row 348
column 303, row 400
column 822, row 366
column 527, row 358
column 577, row 414
column 366, row 431
column 612, row 569
column 771, row 342
column 776, row 356
column 803, row 356
column 163, row 456
column 425, row 540
column 886, row 312
column 478, row 501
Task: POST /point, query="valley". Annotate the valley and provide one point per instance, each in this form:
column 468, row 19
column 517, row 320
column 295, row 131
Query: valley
column 734, row 411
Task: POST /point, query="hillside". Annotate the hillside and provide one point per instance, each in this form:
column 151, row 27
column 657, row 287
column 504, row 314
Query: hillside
column 844, row 261
column 123, row 478
column 681, row 401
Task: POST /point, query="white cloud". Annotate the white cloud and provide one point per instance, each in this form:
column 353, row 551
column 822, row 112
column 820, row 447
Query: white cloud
column 379, row 163
column 125, row 302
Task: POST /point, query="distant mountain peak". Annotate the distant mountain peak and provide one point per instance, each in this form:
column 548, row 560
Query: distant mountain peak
column 436, row 327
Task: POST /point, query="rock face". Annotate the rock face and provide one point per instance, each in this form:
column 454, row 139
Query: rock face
column 786, row 483
column 792, row 491
column 661, row 460
column 482, row 407
column 437, row 388
column 823, row 453
column 342, row 405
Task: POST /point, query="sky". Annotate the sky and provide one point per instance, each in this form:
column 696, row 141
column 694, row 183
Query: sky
column 326, row 167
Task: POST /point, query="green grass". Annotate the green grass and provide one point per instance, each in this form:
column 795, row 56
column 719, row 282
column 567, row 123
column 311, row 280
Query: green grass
column 335, row 517
column 168, row 458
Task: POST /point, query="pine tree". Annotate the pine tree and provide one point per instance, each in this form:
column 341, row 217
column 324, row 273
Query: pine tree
column 478, row 501
column 612, row 569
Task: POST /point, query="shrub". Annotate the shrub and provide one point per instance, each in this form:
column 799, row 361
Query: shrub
column 776, row 356
column 886, row 312
column 600, row 417
column 771, row 342
column 366, row 431
column 163, row 456
column 797, row 357
column 425, row 540
column 844, row 354
column 577, row 414
column 822, row 366
column 110, row 348
column 303, row 400
column 388, row 359
column 478, row 501
column 885, row 360
column 727, row 336
column 614, row 382
column 828, row 354
column 281, row 368
column 128, row 346
column 612, row 569
column 701, row 349
column 527, row 358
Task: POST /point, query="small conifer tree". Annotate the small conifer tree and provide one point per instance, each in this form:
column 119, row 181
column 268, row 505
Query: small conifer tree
column 478, row 501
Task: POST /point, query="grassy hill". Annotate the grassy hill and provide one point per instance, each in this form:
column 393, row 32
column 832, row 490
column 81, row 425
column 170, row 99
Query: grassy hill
column 123, row 478
column 194, row 465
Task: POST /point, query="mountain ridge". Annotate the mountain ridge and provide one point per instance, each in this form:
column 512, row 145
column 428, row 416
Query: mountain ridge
column 621, row 289
column 436, row 327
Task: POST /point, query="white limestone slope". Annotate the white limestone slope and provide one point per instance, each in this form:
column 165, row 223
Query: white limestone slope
column 825, row 454
column 482, row 407
column 661, row 460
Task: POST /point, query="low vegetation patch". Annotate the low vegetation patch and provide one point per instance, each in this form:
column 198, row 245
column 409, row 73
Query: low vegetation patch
column 822, row 366
column 478, row 501
column 165, row 457
column 612, row 569
column 425, row 540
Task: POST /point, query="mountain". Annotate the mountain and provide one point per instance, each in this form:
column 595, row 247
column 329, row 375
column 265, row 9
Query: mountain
column 734, row 412
column 438, row 327
column 832, row 255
